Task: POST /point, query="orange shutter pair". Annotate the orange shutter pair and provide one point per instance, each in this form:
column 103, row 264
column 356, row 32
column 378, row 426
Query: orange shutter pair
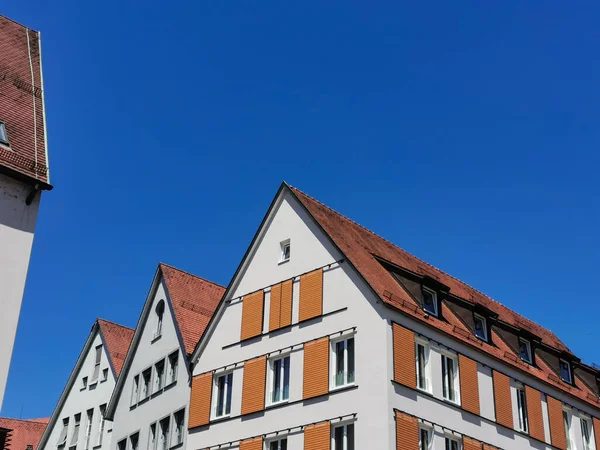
column 469, row 384
column 311, row 295
column 252, row 315
column 253, row 388
column 502, row 399
column 200, row 399
column 557, row 424
column 316, row 368
column 535, row 418
column 280, row 311
column 405, row 369
column 318, row 436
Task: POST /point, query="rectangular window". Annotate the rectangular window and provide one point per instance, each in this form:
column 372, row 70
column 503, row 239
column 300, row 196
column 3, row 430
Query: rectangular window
column 342, row 360
column 422, row 356
column 163, row 438
column 480, row 327
column 146, row 386
column 280, row 379
column 159, row 375
column 152, row 437
column 3, row 134
column 62, row 438
column 122, row 445
column 134, row 441
column 586, row 435
column 565, row 371
column 104, row 374
column 424, row 438
column 430, row 301
column 88, row 428
column 567, row 422
column 97, row 363
column 177, row 428
column 173, row 362
column 343, row 437
column 522, row 409
column 135, row 390
column 101, row 424
column 75, row 435
column 452, row 443
column 449, row 378
column 285, row 250
column 84, row 382
column 280, row 444
column 223, row 390
column 525, row 350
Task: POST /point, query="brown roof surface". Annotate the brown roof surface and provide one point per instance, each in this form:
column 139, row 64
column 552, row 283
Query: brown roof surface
column 117, row 338
column 194, row 301
column 361, row 246
column 24, row 432
column 20, row 84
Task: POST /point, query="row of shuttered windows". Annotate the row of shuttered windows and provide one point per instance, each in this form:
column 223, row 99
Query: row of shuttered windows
column 405, row 373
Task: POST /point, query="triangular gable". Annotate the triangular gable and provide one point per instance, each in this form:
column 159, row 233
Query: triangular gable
column 117, row 339
column 189, row 299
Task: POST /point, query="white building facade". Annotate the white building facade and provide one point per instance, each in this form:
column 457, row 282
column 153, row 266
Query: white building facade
column 331, row 337
column 79, row 419
column 149, row 405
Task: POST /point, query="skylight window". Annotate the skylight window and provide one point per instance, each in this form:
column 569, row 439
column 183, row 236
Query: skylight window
column 565, row 371
column 525, row 350
column 480, row 327
column 3, row 135
column 430, row 301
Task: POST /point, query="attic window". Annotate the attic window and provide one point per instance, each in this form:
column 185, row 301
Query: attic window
column 565, row 371
column 430, row 301
column 480, row 327
column 525, row 350
column 3, row 135
column 285, row 250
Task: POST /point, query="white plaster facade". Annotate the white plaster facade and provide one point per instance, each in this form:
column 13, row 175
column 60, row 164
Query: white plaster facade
column 131, row 410
column 84, row 397
column 17, row 225
column 348, row 303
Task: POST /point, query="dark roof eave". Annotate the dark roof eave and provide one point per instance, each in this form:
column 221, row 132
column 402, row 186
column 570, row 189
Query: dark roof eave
column 27, row 179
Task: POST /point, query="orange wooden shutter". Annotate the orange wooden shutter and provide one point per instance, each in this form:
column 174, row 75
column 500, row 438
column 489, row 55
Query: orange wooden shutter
column 469, row 384
column 252, row 315
column 471, row 444
column 534, row 413
column 557, row 424
column 405, row 368
column 489, row 447
column 252, row 444
column 311, row 295
column 407, row 432
column 253, row 388
column 502, row 399
column 318, row 436
column 200, row 398
column 280, row 311
column 316, row 368
column 596, row 431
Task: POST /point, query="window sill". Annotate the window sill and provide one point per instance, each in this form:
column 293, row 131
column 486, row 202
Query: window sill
column 342, row 386
column 156, row 337
column 220, row 418
column 176, row 445
column 283, row 262
column 426, row 391
column 446, row 400
column 274, row 404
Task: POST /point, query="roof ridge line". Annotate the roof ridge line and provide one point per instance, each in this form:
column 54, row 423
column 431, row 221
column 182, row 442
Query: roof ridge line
column 114, row 323
column 190, row 274
column 420, row 260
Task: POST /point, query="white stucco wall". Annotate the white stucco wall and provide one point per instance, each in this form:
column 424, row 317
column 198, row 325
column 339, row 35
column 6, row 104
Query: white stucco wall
column 341, row 289
column 17, row 225
column 79, row 400
column 131, row 419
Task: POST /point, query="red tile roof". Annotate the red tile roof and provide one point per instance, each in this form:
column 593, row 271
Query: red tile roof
column 194, row 301
column 361, row 246
column 21, row 102
column 117, row 338
column 24, row 432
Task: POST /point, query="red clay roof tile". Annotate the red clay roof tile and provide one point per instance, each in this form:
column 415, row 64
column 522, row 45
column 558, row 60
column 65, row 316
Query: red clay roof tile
column 24, row 432
column 117, row 338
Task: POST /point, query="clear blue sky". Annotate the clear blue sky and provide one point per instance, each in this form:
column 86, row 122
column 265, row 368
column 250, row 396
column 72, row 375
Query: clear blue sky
column 465, row 132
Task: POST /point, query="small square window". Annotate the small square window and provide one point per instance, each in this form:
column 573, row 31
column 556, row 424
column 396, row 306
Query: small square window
column 343, row 437
column 104, row 374
column 84, row 382
column 565, row 371
column 122, row 445
column 525, row 350
column 430, row 301
column 480, row 327
column 452, row 443
column 285, row 250
column 279, row 444
column 3, row 134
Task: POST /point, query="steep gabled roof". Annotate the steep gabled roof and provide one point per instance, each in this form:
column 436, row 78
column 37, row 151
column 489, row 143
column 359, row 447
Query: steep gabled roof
column 117, row 339
column 363, row 248
column 194, row 302
column 23, row 432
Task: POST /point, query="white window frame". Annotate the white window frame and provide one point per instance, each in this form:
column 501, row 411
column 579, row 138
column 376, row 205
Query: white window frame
column 159, row 319
column 76, row 429
column 484, row 323
column 522, row 412
column 333, row 362
column 588, row 422
column 122, row 441
column 143, row 383
column 215, row 394
column 271, row 380
column 97, row 361
column 277, row 440
column 568, row 424
column 3, row 133
column 343, row 425
column 88, row 428
column 569, row 370
column 172, row 372
column 282, row 256
column 429, row 431
column 159, row 428
column 84, row 383
column 155, row 425
column 104, row 375
column 64, row 433
column 175, row 443
column 156, row 379
column 101, row 424
column 426, row 376
column 451, row 437
column 445, row 381
column 135, row 389
column 528, row 346
column 138, row 440
column 435, row 301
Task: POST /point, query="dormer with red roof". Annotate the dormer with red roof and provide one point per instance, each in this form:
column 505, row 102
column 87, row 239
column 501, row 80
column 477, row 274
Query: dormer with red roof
column 79, row 416
column 149, row 403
